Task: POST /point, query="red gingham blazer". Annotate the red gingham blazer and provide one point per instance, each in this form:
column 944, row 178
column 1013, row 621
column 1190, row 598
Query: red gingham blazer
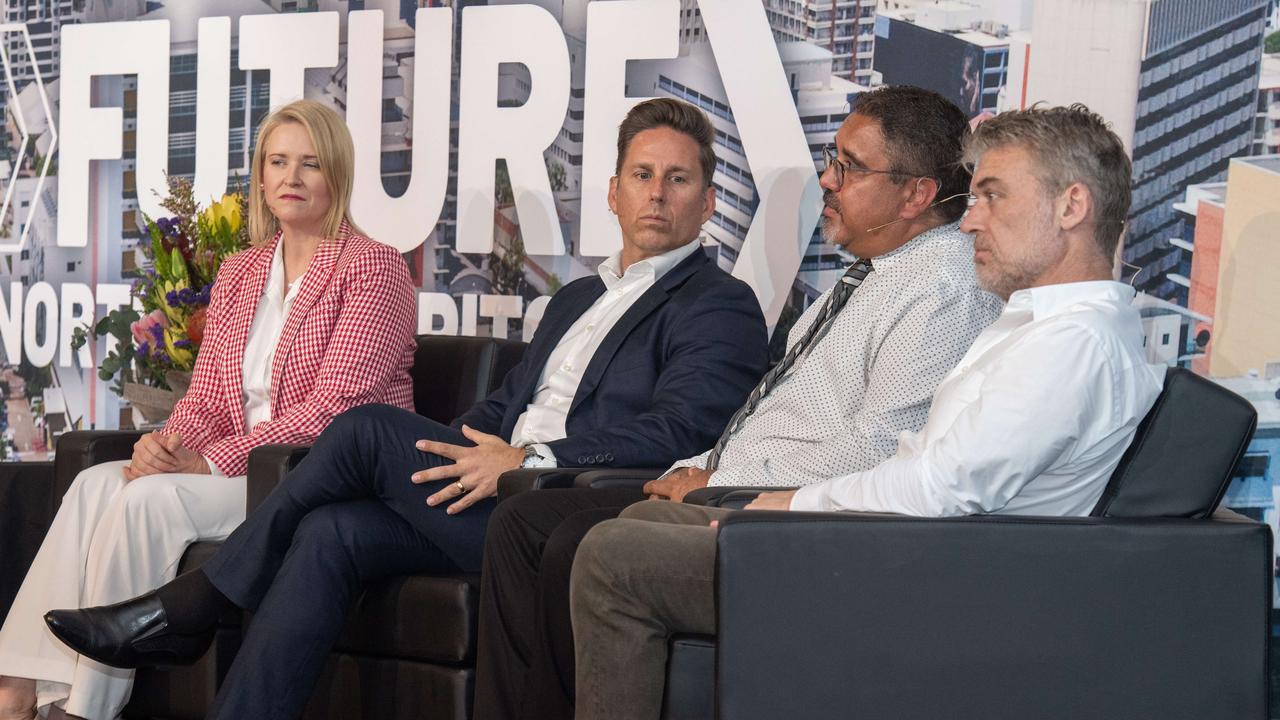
column 347, row 341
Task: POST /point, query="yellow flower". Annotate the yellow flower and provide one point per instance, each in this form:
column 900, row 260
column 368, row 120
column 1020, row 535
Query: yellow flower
column 227, row 208
column 182, row 357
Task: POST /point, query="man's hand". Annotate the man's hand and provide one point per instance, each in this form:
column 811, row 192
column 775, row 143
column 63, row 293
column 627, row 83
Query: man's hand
column 155, row 453
column 772, row 501
column 476, row 468
column 676, row 484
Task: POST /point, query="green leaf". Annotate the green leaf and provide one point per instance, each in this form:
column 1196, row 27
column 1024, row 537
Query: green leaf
column 158, row 255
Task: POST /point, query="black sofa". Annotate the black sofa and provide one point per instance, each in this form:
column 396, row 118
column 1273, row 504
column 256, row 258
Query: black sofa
column 450, row 374
column 1157, row 606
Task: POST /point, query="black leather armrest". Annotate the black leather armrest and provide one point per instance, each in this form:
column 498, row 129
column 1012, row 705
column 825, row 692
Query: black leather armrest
column 729, row 497
column 1005, row 617
column 80, row 449
column 267, row 466
column 514, row 482
column 619, row 477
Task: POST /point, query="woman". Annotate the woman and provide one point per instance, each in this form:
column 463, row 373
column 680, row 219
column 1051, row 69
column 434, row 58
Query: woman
column 310, row 321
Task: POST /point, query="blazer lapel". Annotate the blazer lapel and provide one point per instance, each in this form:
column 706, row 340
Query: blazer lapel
column 651, row 300
column 552, row 330
column 246, row 306
column 314, row 283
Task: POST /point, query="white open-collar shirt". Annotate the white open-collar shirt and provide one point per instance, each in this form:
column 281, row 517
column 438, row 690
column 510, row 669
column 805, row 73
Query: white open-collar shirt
column 1032, row 421
column 544, row 419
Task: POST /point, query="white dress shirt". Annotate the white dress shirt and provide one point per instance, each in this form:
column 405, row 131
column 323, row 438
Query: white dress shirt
column 260, row 348
column 544, row 419
column 1032, row 422
column 871, row 375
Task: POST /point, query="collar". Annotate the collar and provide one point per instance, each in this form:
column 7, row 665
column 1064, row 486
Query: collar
column 275, row 277
column 904, row 251
column 655, row 266
column 1049, row 300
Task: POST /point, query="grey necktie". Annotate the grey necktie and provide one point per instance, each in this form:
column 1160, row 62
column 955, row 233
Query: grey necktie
column 836, row 301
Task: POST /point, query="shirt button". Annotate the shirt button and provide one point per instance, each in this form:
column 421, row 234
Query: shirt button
column 591, row 326
column 567, row 367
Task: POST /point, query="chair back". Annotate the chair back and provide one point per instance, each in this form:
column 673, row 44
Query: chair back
column 451, row 373
column 1184, row 453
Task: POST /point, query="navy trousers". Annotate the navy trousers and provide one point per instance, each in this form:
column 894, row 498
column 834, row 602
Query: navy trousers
column 346, row 515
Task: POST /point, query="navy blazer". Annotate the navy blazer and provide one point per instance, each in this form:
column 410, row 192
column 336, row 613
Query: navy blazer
column 662, row 385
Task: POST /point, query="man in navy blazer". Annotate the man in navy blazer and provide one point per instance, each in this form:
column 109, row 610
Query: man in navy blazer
column 637, row 367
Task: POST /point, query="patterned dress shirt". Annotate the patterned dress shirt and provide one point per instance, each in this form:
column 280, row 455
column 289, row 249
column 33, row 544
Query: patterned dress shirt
column 871, row 376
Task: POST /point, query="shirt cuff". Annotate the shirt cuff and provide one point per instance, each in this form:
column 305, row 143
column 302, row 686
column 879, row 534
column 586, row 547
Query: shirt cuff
column 213, row 467
column 812, row 498
column 544, row 452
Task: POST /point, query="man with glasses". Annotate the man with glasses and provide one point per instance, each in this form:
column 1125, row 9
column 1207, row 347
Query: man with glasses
column 1032, row 421
column 862, row 365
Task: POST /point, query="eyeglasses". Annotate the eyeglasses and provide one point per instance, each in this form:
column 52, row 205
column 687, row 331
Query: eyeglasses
column 841, row 167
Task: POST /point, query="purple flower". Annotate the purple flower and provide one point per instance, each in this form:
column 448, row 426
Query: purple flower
column 171, row 297
column 169, row 227
column 186, row 296
column 182, row 343
column 162, row 356
column 157, row 332
column 144, row 350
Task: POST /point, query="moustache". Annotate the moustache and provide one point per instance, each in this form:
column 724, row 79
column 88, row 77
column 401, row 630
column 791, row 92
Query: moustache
column 829, row 199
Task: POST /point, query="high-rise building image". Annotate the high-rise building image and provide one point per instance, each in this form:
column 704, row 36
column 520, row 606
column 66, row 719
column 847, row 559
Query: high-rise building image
column 960, row 54
column 845, row 28
column 1267, row 123
column 1178, row 79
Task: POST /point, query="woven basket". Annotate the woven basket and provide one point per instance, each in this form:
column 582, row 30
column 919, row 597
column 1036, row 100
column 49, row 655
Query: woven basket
column 154, row 404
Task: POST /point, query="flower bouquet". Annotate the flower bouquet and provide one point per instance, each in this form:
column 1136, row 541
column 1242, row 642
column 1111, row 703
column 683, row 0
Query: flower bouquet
column 157, row 346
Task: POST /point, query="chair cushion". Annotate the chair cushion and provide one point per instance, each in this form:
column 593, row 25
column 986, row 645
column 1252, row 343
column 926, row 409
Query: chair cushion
column 419, row 617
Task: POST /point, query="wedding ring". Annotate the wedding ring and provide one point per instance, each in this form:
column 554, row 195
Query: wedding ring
column 462, row 489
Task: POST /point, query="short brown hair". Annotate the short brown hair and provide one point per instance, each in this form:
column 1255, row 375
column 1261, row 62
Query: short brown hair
column 1069, row 145
column 334, row 150
column 679, row 116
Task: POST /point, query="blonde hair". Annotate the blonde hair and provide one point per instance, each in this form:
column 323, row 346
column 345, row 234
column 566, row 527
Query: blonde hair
column 335, row 152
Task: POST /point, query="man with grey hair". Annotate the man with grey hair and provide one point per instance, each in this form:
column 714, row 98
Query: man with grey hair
column 1032, row 421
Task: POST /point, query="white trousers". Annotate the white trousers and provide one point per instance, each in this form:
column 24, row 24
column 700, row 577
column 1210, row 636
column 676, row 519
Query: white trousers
column 111, row 540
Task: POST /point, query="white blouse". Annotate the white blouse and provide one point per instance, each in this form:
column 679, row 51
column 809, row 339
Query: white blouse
column 260, row 349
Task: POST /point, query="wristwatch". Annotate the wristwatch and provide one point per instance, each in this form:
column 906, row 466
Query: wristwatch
column 535, row 459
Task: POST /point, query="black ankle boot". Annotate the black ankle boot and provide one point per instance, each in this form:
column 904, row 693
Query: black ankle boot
column 131, row 634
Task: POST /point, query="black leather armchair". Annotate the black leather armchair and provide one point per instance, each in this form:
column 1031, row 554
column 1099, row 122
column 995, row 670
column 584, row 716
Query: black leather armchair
column 450, row 374
column 1157, row 606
